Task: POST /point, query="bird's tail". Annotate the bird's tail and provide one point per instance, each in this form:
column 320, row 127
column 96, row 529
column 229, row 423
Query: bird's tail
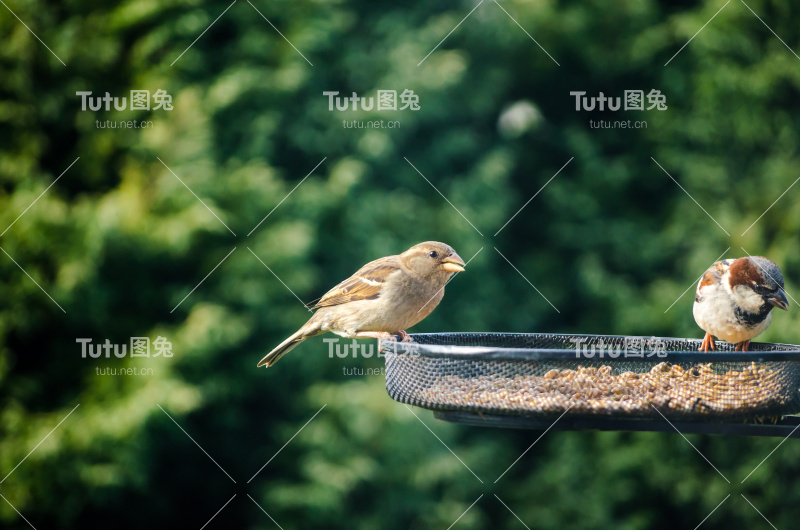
column 285, row 347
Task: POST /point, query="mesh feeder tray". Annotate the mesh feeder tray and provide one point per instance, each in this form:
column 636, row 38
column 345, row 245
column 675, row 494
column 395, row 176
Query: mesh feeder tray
column 595, row 381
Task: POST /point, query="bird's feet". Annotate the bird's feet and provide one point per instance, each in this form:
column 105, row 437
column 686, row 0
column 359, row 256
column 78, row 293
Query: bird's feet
column 708, row 343
column 743, row 346
column 380, row 335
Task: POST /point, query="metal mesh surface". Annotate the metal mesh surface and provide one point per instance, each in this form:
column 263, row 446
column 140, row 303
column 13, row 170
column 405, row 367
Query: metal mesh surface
column 591, row 375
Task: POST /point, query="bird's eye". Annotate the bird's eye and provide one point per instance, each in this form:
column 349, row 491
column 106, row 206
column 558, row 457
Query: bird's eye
column 433, row 254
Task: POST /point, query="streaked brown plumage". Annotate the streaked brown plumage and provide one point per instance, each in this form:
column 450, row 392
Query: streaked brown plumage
column 383, row 297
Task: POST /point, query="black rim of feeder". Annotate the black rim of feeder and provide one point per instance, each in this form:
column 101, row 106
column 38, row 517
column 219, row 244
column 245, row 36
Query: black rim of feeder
column 436, row 345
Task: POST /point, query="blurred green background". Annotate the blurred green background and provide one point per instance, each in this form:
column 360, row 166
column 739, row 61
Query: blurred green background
column 612, row 242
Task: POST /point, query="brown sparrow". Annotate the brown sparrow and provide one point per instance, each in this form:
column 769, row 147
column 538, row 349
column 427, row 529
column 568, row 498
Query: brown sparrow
column 383, row 297
column 734, row 300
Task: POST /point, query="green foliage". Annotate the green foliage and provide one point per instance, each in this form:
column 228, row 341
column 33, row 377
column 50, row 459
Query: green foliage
column 119, row 241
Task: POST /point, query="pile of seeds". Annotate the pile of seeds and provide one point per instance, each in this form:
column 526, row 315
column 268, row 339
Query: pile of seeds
column 695, row 389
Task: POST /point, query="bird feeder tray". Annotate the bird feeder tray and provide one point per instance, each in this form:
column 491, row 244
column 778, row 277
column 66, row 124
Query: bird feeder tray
column 592, row 381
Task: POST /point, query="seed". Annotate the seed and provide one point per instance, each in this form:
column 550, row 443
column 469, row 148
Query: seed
column 697, row 390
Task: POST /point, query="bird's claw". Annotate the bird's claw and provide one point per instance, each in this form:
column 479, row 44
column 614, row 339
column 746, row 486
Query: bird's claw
column 387, row 336
column 708, row 343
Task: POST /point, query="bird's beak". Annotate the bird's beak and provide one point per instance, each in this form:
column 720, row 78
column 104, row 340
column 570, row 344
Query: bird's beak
column 453, row 263
column 779, row 300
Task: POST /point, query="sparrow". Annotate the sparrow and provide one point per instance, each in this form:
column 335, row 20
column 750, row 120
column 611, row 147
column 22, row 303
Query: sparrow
column 384, row 297
column 734, row 300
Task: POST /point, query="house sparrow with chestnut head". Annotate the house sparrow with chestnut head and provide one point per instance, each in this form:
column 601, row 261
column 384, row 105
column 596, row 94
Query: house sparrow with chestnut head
column 383, row 297
column 734, row 300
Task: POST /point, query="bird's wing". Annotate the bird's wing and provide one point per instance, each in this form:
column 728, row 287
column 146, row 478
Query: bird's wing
column 713, row 276
column 365, row 284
